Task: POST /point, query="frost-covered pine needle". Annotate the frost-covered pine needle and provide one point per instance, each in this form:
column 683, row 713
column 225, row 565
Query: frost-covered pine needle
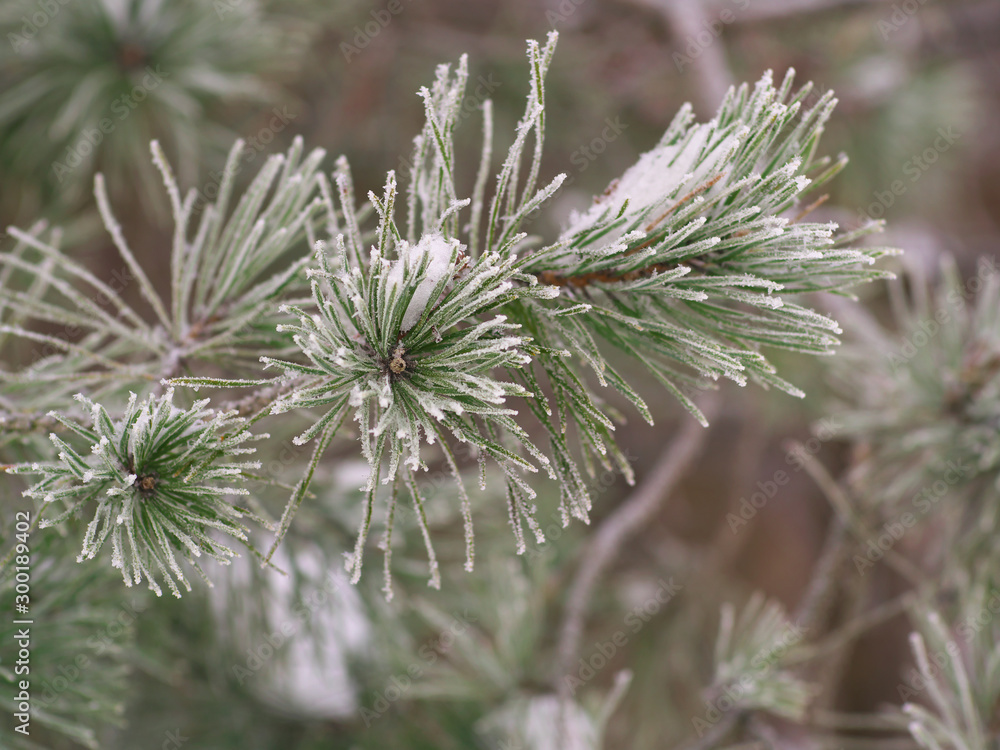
column 156, row 482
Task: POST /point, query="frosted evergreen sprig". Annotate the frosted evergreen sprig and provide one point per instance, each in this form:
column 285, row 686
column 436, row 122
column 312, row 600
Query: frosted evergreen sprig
column 751, row 652
column 406, row 337
column 70, row 605
column 953, row 693
column 687, row 261
column 408, row 346
column 99, row 79
column 925, row 405
column 223, row 299
column 156, row 481
column 423, row 329
column 678, row 265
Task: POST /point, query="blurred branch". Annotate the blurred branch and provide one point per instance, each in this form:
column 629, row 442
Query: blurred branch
column 687, row 18
column 849, row 520
column 770, row 10
column 841, row 638
column 602, row 548
column 718, row 731
column 821, row 593
column 830, row 589
column 725, row 546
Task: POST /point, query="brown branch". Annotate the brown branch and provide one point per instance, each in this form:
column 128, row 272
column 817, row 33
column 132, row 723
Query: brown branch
column 581, row 280
column 697, row 191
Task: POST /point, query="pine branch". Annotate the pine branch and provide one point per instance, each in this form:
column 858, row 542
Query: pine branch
column 926, row 402
column 222, row 308
column 104, row 79
column 437, row 331
column 958, row 674
column 158, row 477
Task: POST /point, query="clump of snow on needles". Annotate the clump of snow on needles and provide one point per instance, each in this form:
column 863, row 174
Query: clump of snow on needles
column 439, row 252
column 667, row 172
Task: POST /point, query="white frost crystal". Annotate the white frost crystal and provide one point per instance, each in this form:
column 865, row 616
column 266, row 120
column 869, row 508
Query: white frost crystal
column 439, row 252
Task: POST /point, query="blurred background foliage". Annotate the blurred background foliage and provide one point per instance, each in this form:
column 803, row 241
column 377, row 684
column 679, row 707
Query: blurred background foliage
column 471, row 665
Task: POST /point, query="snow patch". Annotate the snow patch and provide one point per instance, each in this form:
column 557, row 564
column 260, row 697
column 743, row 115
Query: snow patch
column 438, row 252
column 667, row 172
